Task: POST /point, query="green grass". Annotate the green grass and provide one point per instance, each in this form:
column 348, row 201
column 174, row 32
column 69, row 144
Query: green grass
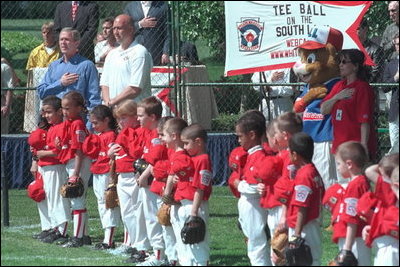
column 19, row 249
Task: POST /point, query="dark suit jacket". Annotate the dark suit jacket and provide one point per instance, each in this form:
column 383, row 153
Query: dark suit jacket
column 156, row 39
column 388, row 77
column 86, row 22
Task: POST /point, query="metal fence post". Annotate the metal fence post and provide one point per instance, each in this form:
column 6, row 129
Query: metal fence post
column 4, row 195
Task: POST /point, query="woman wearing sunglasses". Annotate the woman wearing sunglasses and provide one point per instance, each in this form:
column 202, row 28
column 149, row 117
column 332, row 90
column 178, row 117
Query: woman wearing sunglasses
column 351, row 104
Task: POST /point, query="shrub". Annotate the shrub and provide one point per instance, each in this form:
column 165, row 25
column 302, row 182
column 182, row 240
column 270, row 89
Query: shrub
column 18, row 42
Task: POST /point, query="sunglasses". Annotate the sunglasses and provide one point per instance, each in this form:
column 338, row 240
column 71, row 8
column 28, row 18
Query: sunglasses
column 344, row 61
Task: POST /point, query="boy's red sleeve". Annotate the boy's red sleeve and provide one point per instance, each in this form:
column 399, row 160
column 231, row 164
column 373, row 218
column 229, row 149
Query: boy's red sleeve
column 269, row 169
column 78, row 134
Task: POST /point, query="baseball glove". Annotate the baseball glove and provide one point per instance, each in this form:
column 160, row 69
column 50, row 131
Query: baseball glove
column 169, row 200
column 163, row 215
column 298, row 253
column 278, row 244
column 73, row 188
column 140, row 165
column 111, row 196
column 344, row 258
column 194, row 230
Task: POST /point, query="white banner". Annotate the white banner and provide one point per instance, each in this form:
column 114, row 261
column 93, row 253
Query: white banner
column 263, row 35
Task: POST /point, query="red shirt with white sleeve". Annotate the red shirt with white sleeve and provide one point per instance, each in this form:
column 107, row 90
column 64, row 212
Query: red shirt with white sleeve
column 350, row 113
column 308, row 193
column 202, row 178
column 130, row 150
column 160, row 171
column 255, row 155
column 182, row 166
column 73, row 134
column 346, row 211
column 102, row 164
column 38, row 141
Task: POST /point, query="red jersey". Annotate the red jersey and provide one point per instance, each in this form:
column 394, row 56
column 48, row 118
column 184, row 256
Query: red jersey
column 390, row 221
column 72, row 136
column 52, row 133
column 255, row 155
column 268, row 150
column 182, row 166
column 130, row 150
column 384, row 192
column 153, row 148
column 102, row 163
column 202, row 178
column 308, row 193
column 346, row 211
column 332, row 197
column 350, row 113
column 160, row 171
column 38, row 141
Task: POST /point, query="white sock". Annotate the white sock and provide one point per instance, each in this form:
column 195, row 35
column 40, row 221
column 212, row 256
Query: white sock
column 108, row 235
column 79, row 222
column 62, row 228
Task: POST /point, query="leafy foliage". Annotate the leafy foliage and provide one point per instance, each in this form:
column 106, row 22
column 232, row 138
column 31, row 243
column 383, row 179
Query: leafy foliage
column 18, row 42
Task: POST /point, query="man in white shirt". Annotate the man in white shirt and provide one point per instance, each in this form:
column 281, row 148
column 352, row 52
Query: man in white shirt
column 126, row 72
column 102, row 48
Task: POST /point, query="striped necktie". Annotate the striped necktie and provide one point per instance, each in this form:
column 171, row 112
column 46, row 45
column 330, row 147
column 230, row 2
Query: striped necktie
column 74, row 9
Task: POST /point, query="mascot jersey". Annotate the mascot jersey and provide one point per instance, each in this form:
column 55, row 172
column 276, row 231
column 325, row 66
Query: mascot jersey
column 316, row 125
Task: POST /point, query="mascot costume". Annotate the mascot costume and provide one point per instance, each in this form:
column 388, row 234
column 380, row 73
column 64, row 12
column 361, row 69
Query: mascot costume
column 318, row 67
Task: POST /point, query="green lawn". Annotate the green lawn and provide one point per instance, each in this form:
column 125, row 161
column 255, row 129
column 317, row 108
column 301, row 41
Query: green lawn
column 19, row 249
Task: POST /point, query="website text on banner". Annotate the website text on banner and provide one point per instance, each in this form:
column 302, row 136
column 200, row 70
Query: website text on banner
column 263, row 36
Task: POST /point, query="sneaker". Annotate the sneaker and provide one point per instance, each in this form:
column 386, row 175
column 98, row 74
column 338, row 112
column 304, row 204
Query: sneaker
column 137, row 256
column 151, row 261
column 51, row 237
column 74, row 242
column 87, row 240
column 42, row 234
column 104, row 246
column 122, row 249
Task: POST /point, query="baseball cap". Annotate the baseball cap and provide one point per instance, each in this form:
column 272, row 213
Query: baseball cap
column 91, row 146
column 37, row 139
column 320, row 36
column 332, row 196
column 35, row 189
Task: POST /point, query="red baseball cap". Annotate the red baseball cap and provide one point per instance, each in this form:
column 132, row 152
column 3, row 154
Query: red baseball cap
column 320, row 36
column 91, row 146
column 237, row 158
column 37, row 139
column 35, row 189
column 332, row 196
column 366, row 206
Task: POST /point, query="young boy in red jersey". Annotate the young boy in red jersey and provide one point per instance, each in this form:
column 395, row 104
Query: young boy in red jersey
column 195, row 197
column 250, row 129
column 54, row 173
column 149, row 113
column 181, row 171
column 380, row 174
column 304, row 216
column 351, row 158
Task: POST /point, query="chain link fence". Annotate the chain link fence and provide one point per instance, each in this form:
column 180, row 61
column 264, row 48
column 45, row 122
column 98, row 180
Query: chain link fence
column 194, row 30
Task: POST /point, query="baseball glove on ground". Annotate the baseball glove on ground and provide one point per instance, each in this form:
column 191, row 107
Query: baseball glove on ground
column 194, row 230
column 278, row 244
column 163, row 215
column 298, row 253
column 73, row 188
column 344, row 258
column 111, row 196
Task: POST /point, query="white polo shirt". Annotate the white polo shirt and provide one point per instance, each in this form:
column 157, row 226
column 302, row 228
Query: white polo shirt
column 130, row 67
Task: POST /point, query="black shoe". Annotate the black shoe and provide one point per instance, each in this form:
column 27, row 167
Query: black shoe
column 139, row 256
column 42, row 234
column 87, row 240
column 74, row 242
column 61, row 240
column 51, row 237
column 104, row 246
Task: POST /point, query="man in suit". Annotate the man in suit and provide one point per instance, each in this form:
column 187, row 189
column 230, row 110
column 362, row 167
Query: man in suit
column 391, row 75
column 150, row 20
column 82, row 16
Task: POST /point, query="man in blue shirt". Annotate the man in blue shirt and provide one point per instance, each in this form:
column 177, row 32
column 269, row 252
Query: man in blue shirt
column 71, row 72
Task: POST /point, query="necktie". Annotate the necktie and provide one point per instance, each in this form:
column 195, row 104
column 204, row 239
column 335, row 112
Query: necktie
column 74, row 9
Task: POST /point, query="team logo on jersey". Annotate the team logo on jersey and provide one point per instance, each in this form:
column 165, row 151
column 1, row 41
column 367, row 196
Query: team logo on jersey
column 250, row 31
column 206, row 177
column 302, row 192
column 351, row 205
column 156, row 141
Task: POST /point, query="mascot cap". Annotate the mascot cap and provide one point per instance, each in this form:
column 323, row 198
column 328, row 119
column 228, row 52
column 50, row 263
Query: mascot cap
column 319, row 37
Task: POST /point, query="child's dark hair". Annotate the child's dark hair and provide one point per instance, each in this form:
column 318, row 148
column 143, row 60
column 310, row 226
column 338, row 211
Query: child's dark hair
column 43, row 124
column 101, row 112
column 353, row 151
column 194, row 131
column 162, row 121
column 303, row 145
column 77, row 99
column 389, row 163
column 52, row 101
column 290, row 122
column 152, row 106
column 252, row 120
column 175, row 125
